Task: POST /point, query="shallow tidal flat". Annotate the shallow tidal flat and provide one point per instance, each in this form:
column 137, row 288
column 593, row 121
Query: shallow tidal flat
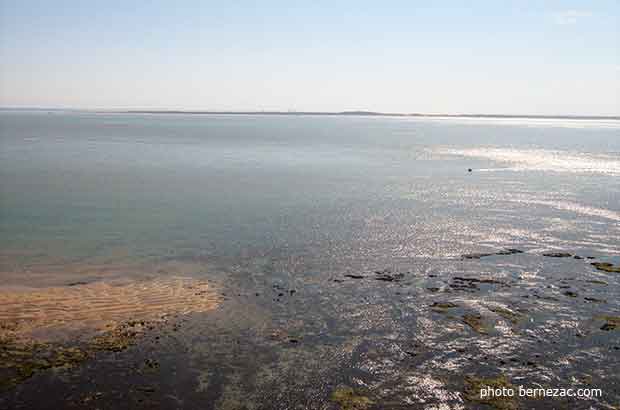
column 62, row 327
column 411, row 335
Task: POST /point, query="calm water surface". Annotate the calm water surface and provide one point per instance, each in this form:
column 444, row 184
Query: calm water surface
column 266, row 205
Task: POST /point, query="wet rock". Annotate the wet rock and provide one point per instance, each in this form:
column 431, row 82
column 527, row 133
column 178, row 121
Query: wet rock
column 577, row 257
column 598, row 282
column 349, row 399
column 606, row 267
column 571, row 294
column 151, row 364
column 476, row 323
column 474, row 385
column 89, row 397
column 475, row 255
column 277, row 335
column 21, row 360
column 512, row 317
column 476, row 280
column 121, row 337
column 386, row 275
column 352, row 276
column 443, row 305
column 390, row 278
column 594, row 300
column 611, row 322
column 509, row 251
column 77, row 283
column 469, row 284
column 503, row 252
column 558, row 254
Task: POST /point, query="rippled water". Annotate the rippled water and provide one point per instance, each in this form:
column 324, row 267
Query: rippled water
column 279, row 210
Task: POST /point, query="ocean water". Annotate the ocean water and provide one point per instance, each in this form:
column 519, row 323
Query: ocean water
column 257, row 203
column 80, row 188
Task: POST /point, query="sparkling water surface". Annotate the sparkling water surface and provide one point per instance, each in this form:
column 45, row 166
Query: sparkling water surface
column 266, row 205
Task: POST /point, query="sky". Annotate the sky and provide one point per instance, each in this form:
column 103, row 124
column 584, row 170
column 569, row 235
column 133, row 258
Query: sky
column 497, row 57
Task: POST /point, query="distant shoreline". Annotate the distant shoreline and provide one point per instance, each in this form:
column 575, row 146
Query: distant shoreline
column 374, row 114
column 327, row 113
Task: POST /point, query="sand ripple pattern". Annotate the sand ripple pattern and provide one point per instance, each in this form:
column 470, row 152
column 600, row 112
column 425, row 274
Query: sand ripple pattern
column 100, row 305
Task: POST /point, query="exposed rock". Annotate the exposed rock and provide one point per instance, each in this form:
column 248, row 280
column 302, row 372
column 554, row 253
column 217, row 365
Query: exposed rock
column 476, row 280
column 476, row 323
column 461, row 283
column 508, row 251
column 598, row 282
column 606, row 267
column 611, row 322
column 349, row 275
column 558, row 254
column 20, row 360
column 386, row 275
column 349, row 399
column 443, row 305
column 474, row 385
column 77, row 283
column 512, row 317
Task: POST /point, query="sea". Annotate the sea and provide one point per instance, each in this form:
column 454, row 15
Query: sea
column 388, row 262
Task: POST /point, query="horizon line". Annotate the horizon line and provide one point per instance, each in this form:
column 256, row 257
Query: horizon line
column 324, row 113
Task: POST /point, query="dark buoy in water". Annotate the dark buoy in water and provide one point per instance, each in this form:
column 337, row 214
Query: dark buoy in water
column 469, row 169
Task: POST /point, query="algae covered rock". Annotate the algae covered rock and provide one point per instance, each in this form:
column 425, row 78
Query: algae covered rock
column 611, row 322
column 509, row 315
column 349, row 399
column 503, row 252
column 120, row 337
column 558, row 254
column 20, row 360
column 476, row 323
column 496, row 392
column 442, row 306
column 606, row 267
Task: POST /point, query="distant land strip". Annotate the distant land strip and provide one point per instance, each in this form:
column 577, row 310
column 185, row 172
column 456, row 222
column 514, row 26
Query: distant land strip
column 324, row 113
column 375, row 114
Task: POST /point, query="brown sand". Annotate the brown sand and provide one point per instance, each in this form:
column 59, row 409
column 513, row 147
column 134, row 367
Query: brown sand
column 63, row 312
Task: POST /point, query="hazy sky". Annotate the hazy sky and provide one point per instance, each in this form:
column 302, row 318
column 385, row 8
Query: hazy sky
column 538, row 57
